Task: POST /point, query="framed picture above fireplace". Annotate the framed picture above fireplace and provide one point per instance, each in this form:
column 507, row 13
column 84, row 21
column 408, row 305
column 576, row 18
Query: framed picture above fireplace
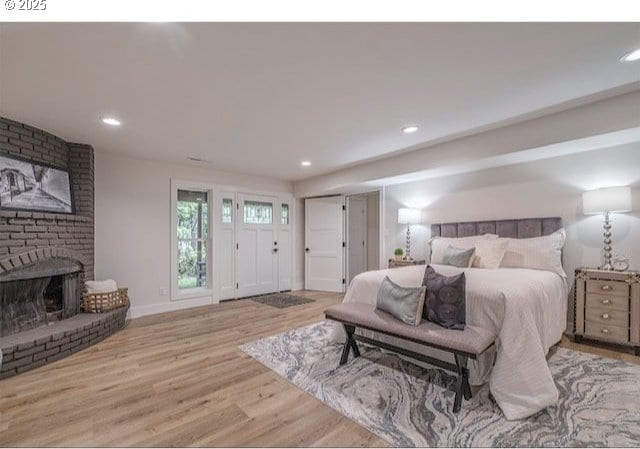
column 29, row 186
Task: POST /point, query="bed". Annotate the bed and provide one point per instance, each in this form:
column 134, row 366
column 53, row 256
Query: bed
column 526, row 308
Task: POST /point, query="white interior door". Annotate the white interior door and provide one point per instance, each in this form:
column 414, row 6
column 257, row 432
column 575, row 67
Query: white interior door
column 356, row 236
column 225, row 244
column 257, row 250
column 324, row 240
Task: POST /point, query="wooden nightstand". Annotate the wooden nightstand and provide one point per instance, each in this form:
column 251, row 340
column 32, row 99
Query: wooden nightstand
column 607, row 307
column 403, row 263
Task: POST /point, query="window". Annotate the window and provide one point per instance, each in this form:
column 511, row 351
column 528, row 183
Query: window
column 284, row 214
column 227, row 210
column 256, row 212
column 192, row 233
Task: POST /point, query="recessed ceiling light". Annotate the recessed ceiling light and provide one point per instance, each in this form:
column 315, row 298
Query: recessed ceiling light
column 410, row 129
column 305, row 163
column 111, row 121
column 630, row 57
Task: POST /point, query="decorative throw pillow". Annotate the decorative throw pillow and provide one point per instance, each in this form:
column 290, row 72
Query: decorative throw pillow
column 445, row 303
column 404, row 303
column 438, row 245
column 458, row 257
column 538, row 253
column 489, row 253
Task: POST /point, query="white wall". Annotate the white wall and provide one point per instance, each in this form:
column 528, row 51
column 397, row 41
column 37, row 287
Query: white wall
column 298, row 245
column 551, row 187
column 133, row 223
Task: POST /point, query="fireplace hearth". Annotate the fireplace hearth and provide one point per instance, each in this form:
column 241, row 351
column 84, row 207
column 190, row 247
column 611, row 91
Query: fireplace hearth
column 38, row 294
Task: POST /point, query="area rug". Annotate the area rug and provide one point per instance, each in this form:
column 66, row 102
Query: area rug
column 281, row 300
column 407, row 405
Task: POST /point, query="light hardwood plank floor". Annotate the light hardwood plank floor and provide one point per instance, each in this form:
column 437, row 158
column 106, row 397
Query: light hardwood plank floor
column 179, row 379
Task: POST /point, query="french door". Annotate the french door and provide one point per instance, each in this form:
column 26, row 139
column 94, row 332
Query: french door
column 257, row 244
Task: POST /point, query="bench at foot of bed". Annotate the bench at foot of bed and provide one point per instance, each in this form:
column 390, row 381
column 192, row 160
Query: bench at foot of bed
column 466, row 344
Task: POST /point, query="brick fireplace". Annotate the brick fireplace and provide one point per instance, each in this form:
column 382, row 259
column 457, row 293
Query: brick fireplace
column 45, row 259
column 23, row 234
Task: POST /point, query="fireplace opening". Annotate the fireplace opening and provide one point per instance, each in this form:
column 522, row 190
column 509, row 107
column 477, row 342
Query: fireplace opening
column 54, row 299
column 40, row 293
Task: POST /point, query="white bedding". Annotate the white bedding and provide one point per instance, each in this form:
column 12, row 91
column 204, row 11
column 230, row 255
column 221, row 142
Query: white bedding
column 525, row 308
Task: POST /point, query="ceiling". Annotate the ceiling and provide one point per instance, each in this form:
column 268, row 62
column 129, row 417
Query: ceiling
column 260, row 98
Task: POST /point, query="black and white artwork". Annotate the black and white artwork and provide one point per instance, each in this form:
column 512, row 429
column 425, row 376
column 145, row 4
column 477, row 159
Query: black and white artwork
column 29, row 186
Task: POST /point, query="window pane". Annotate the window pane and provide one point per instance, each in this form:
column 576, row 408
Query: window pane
column 192, row 214
column 284, row 218
column 227, row 210
column 192, row 264
column 258, row 213
column 192, row 230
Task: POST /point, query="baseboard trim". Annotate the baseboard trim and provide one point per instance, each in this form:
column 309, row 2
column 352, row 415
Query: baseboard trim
column 152, row 309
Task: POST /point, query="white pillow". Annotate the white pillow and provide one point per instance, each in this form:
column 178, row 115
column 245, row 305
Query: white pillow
column 538, row 253
column 489, row 253
column 440, row 244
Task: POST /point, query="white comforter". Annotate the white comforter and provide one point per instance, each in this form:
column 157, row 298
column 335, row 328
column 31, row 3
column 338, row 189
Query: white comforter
column 525, row 308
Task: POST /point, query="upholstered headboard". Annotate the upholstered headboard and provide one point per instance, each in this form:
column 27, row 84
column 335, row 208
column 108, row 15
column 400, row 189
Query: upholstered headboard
column 519, row 228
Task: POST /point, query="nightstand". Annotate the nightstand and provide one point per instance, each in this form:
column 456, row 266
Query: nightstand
column 607, row 307
column 404, row 263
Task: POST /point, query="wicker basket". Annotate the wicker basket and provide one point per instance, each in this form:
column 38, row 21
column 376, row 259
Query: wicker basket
column 103, row 302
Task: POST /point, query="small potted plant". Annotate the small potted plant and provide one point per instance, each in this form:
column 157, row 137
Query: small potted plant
column 398, row 253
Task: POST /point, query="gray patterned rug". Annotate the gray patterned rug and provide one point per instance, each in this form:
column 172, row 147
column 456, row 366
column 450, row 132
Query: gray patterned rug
column 411, row 406
column 281, row 300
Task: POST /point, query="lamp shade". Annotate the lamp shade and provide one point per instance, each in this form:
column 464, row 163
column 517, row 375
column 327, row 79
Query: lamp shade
column 409, row 216
column 610, row 199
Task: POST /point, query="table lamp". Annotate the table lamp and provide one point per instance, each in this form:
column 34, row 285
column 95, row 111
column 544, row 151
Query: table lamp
column 408, row 217
column 605, row 201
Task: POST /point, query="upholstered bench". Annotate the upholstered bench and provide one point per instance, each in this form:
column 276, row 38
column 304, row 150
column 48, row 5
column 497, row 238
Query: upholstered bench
column 464, row 345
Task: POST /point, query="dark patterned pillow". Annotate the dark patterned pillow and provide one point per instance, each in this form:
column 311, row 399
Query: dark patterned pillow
column 445, row 302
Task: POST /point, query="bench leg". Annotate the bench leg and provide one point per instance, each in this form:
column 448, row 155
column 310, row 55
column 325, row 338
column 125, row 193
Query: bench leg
column 354, row 347
column 349, row 344
column 462, row 382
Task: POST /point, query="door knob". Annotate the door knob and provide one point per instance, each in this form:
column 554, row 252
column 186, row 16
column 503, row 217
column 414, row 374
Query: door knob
column 306, row 250
column 275, row 250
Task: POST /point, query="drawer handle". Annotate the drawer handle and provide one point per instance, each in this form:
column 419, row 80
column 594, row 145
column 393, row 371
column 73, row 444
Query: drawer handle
column 605, row 330
column 606, row 301
column 605, row 316
column 606, row 287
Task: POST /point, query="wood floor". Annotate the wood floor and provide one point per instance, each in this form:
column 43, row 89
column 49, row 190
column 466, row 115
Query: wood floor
column 179, row 379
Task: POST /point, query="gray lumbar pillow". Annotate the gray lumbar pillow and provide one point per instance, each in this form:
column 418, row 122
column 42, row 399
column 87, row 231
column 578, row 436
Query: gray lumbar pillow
column 458, row 257
column 445, row 303
column 404, row 303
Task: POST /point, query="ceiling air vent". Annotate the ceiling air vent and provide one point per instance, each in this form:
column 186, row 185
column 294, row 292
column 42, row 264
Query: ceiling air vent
column 197, row 159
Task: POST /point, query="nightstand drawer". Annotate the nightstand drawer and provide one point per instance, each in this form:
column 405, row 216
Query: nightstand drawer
column 608, row 317
column 606, row 332
column 617, row 288
column 598, row 300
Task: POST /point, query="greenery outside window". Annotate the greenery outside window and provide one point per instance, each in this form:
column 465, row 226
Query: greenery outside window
column 192, row 234
column 284, row 214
